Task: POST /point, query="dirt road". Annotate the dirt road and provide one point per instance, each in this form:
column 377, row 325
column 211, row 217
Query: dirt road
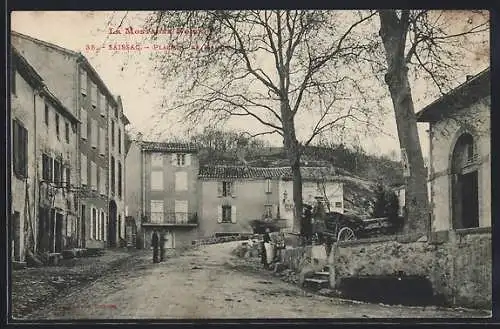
column 206, row 283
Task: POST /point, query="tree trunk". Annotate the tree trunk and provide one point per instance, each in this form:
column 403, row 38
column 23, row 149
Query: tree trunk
column 293, row 152
column 393, row 33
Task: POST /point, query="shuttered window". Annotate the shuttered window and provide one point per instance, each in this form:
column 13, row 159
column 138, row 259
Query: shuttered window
column 83, row 127
column 83, row 82
column 93, row 175
column 156, row 211
column 102, row 143
column 84, row 169
column 157, row 180
column 20, row 149
column 181, row 181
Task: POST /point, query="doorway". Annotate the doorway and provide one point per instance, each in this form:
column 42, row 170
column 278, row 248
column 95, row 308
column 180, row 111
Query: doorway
column 112, row 224
column 470, row 204
column 465, row 186
column 59, row 244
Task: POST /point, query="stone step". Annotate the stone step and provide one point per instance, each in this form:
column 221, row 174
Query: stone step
column 316, row 284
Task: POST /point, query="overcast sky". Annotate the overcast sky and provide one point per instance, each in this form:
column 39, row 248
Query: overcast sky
column 130, row 74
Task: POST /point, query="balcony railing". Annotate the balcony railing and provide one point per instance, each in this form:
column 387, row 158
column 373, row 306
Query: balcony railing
column 171, row 218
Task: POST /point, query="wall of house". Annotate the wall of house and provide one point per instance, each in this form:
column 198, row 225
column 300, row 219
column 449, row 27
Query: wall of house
column 334, row 192
column 65, row 151
column 443, row 139
column 119, row 157
column 169, row 193
column 22, row 109
column 249, row 198
column 133, row 182
column 58, row 69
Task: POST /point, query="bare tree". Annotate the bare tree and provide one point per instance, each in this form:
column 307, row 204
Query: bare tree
column 418, row 38
column 279, row 68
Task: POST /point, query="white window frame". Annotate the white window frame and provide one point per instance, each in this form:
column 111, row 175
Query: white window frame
column 93, row 94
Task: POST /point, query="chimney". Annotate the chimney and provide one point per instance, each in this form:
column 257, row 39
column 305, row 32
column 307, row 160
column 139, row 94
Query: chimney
column 468, row 77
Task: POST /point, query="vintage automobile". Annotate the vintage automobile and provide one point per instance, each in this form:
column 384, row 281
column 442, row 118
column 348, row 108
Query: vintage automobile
column 334, row 226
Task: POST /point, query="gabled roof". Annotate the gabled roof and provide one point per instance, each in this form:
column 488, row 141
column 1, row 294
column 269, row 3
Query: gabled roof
column 32, row 76
column 168, row 147
column 467, row 93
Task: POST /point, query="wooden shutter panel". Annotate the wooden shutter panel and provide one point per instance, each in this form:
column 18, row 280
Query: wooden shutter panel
column 174, row 160
column 219, row 214
column 233, row 214
column 275, row 211
column 15, row 145
column 233, row 189
column 219, row 189
column 188, row 159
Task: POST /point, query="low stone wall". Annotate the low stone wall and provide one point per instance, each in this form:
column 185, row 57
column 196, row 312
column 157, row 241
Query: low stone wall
column 458, row 266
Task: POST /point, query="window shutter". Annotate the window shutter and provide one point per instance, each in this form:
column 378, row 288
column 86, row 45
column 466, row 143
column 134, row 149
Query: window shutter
column 102, row 146
column 91, row 222
column 94, row 132
column 83, row 127
column 275, row 211
column 219, row 189
column 188, row 159
column 15, row 147
column 219, row 214
column 103, row 105
column 83, row 82
column 233, row 214
column 174, row 160
column 105, row 227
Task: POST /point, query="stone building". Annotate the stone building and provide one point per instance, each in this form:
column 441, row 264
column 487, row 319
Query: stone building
column 162, row 191
column 99, row 170
column 460, row 167
column 231, row 197
column 44, row 164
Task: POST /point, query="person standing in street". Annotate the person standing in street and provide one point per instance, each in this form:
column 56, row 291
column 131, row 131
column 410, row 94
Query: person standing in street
column 155, row 244
column 163, row 242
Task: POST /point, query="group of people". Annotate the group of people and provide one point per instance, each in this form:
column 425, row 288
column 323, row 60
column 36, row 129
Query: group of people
column 158, row 243
column 271, row 245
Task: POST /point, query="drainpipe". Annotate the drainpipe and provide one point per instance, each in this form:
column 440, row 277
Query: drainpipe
column 35, row 183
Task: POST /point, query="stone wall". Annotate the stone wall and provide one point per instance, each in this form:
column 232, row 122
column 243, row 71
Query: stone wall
column 459, row 267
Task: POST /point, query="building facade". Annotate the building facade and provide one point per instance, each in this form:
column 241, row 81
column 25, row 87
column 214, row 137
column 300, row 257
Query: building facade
column 44, row 163
column 165, row 197
column 81, row 90
column 460, row 156
column 231, row 197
